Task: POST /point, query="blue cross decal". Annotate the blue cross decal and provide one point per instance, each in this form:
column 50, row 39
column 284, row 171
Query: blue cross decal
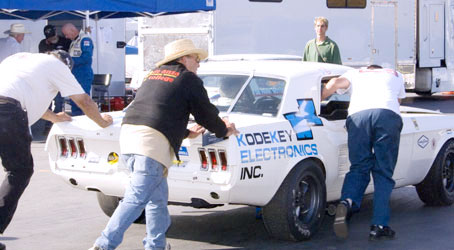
column 304, row 119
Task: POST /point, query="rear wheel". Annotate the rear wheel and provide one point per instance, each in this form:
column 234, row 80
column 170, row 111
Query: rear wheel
column 109, row 203
column 437, row 188
column 297, row 209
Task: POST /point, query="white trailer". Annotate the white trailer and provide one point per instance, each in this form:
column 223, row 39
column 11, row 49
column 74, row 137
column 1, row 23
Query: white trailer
column 415, row 37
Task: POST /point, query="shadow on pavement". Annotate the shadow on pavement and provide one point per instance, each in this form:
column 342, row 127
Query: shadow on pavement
column 417, row 227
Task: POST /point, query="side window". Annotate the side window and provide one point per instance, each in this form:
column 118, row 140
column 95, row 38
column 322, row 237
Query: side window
column 334, row 107
column 262, row 96
column 346, row 3
column 222, row 89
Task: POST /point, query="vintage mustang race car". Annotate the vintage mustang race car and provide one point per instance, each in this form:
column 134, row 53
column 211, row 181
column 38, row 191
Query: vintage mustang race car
column 290, row 157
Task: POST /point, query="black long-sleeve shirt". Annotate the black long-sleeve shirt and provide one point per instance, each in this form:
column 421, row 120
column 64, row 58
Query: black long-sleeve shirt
column 166, row 98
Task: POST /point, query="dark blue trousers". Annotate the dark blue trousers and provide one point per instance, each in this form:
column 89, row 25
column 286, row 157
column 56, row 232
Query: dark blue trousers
column 59, row 103
column 15, row 152
column 85, row 80
column 373, row 144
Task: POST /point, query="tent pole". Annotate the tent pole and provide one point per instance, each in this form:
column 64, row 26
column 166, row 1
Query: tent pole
column 87, row 20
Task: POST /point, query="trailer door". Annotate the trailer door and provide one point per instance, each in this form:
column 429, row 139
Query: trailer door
column 384, row 33
column 431, row 33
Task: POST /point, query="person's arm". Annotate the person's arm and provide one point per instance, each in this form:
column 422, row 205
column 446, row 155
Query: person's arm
column 90, row 109
column 56, row 117
column 305, row 53
column 205, row 113
column 42, row 46
column 337, row 57
column 194, row 131
column 333, row 85
column 402, row 93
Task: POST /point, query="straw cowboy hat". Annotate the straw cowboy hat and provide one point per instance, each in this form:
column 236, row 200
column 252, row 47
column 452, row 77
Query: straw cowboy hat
column 17, row 28
column 179, row 48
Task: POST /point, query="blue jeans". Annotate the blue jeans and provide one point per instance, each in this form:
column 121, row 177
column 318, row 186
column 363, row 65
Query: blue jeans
column 373, row 145
column 147, row 190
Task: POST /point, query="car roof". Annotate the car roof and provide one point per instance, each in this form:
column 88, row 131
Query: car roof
column 283, row 66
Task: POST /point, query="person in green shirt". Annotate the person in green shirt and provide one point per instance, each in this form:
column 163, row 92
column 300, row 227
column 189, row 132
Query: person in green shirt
column 321, row 49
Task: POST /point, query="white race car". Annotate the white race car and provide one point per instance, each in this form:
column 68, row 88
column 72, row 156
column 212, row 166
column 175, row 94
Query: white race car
column 290, row 157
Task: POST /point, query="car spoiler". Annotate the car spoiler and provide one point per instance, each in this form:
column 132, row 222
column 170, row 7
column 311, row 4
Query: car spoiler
column 412, row 110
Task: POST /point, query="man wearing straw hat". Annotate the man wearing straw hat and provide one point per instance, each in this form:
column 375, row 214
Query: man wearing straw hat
column 11, row 45
column 151, row 134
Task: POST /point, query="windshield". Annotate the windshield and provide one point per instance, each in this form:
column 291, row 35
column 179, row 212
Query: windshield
column 261, row 96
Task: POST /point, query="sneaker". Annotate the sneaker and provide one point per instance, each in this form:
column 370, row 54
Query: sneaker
column 378, row 232
column 95, row 247
column 340, row 221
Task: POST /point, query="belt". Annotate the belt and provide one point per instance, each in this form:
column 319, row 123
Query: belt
column 9, row 100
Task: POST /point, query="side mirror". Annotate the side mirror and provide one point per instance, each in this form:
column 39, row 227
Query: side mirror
column 120, row 44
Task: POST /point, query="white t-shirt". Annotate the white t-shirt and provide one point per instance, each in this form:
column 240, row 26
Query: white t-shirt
column 34, row 80
column 144, row 140
column 9, row 46
column 374, row 89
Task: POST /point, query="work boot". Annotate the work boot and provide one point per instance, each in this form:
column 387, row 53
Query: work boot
column 343, row 213
column 378, row 232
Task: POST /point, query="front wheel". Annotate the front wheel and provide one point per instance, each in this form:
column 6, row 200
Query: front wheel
column 297, row 209
column 109, row 203
column 437, row 188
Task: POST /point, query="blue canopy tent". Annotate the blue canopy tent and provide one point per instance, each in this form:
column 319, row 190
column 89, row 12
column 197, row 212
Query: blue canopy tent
column 97, row 9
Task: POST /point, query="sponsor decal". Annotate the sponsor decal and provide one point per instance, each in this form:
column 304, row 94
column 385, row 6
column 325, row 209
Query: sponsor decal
column 415, row 123
column 304, row 119
column 268, row 137
column 163, row 75
column 276, row 153
column 251, row 172
column 86, row 43
column 183, row 151
column 209, row 3
column 269, row 151
column 423, row 141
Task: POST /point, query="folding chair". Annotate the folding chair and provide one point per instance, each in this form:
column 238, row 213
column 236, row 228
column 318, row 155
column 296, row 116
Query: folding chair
column 99, row 89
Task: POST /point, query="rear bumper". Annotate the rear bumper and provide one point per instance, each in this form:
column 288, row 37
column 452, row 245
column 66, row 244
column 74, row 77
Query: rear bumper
column 113, row 183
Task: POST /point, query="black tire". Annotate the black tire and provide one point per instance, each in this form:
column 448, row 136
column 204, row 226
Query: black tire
column 109, row 203
column 297, row 209
column 424, row 94
column 437, row 188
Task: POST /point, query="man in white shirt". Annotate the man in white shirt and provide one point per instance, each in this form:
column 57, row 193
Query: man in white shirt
column 11, row 45
column 373, row 125
column 29, row 83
